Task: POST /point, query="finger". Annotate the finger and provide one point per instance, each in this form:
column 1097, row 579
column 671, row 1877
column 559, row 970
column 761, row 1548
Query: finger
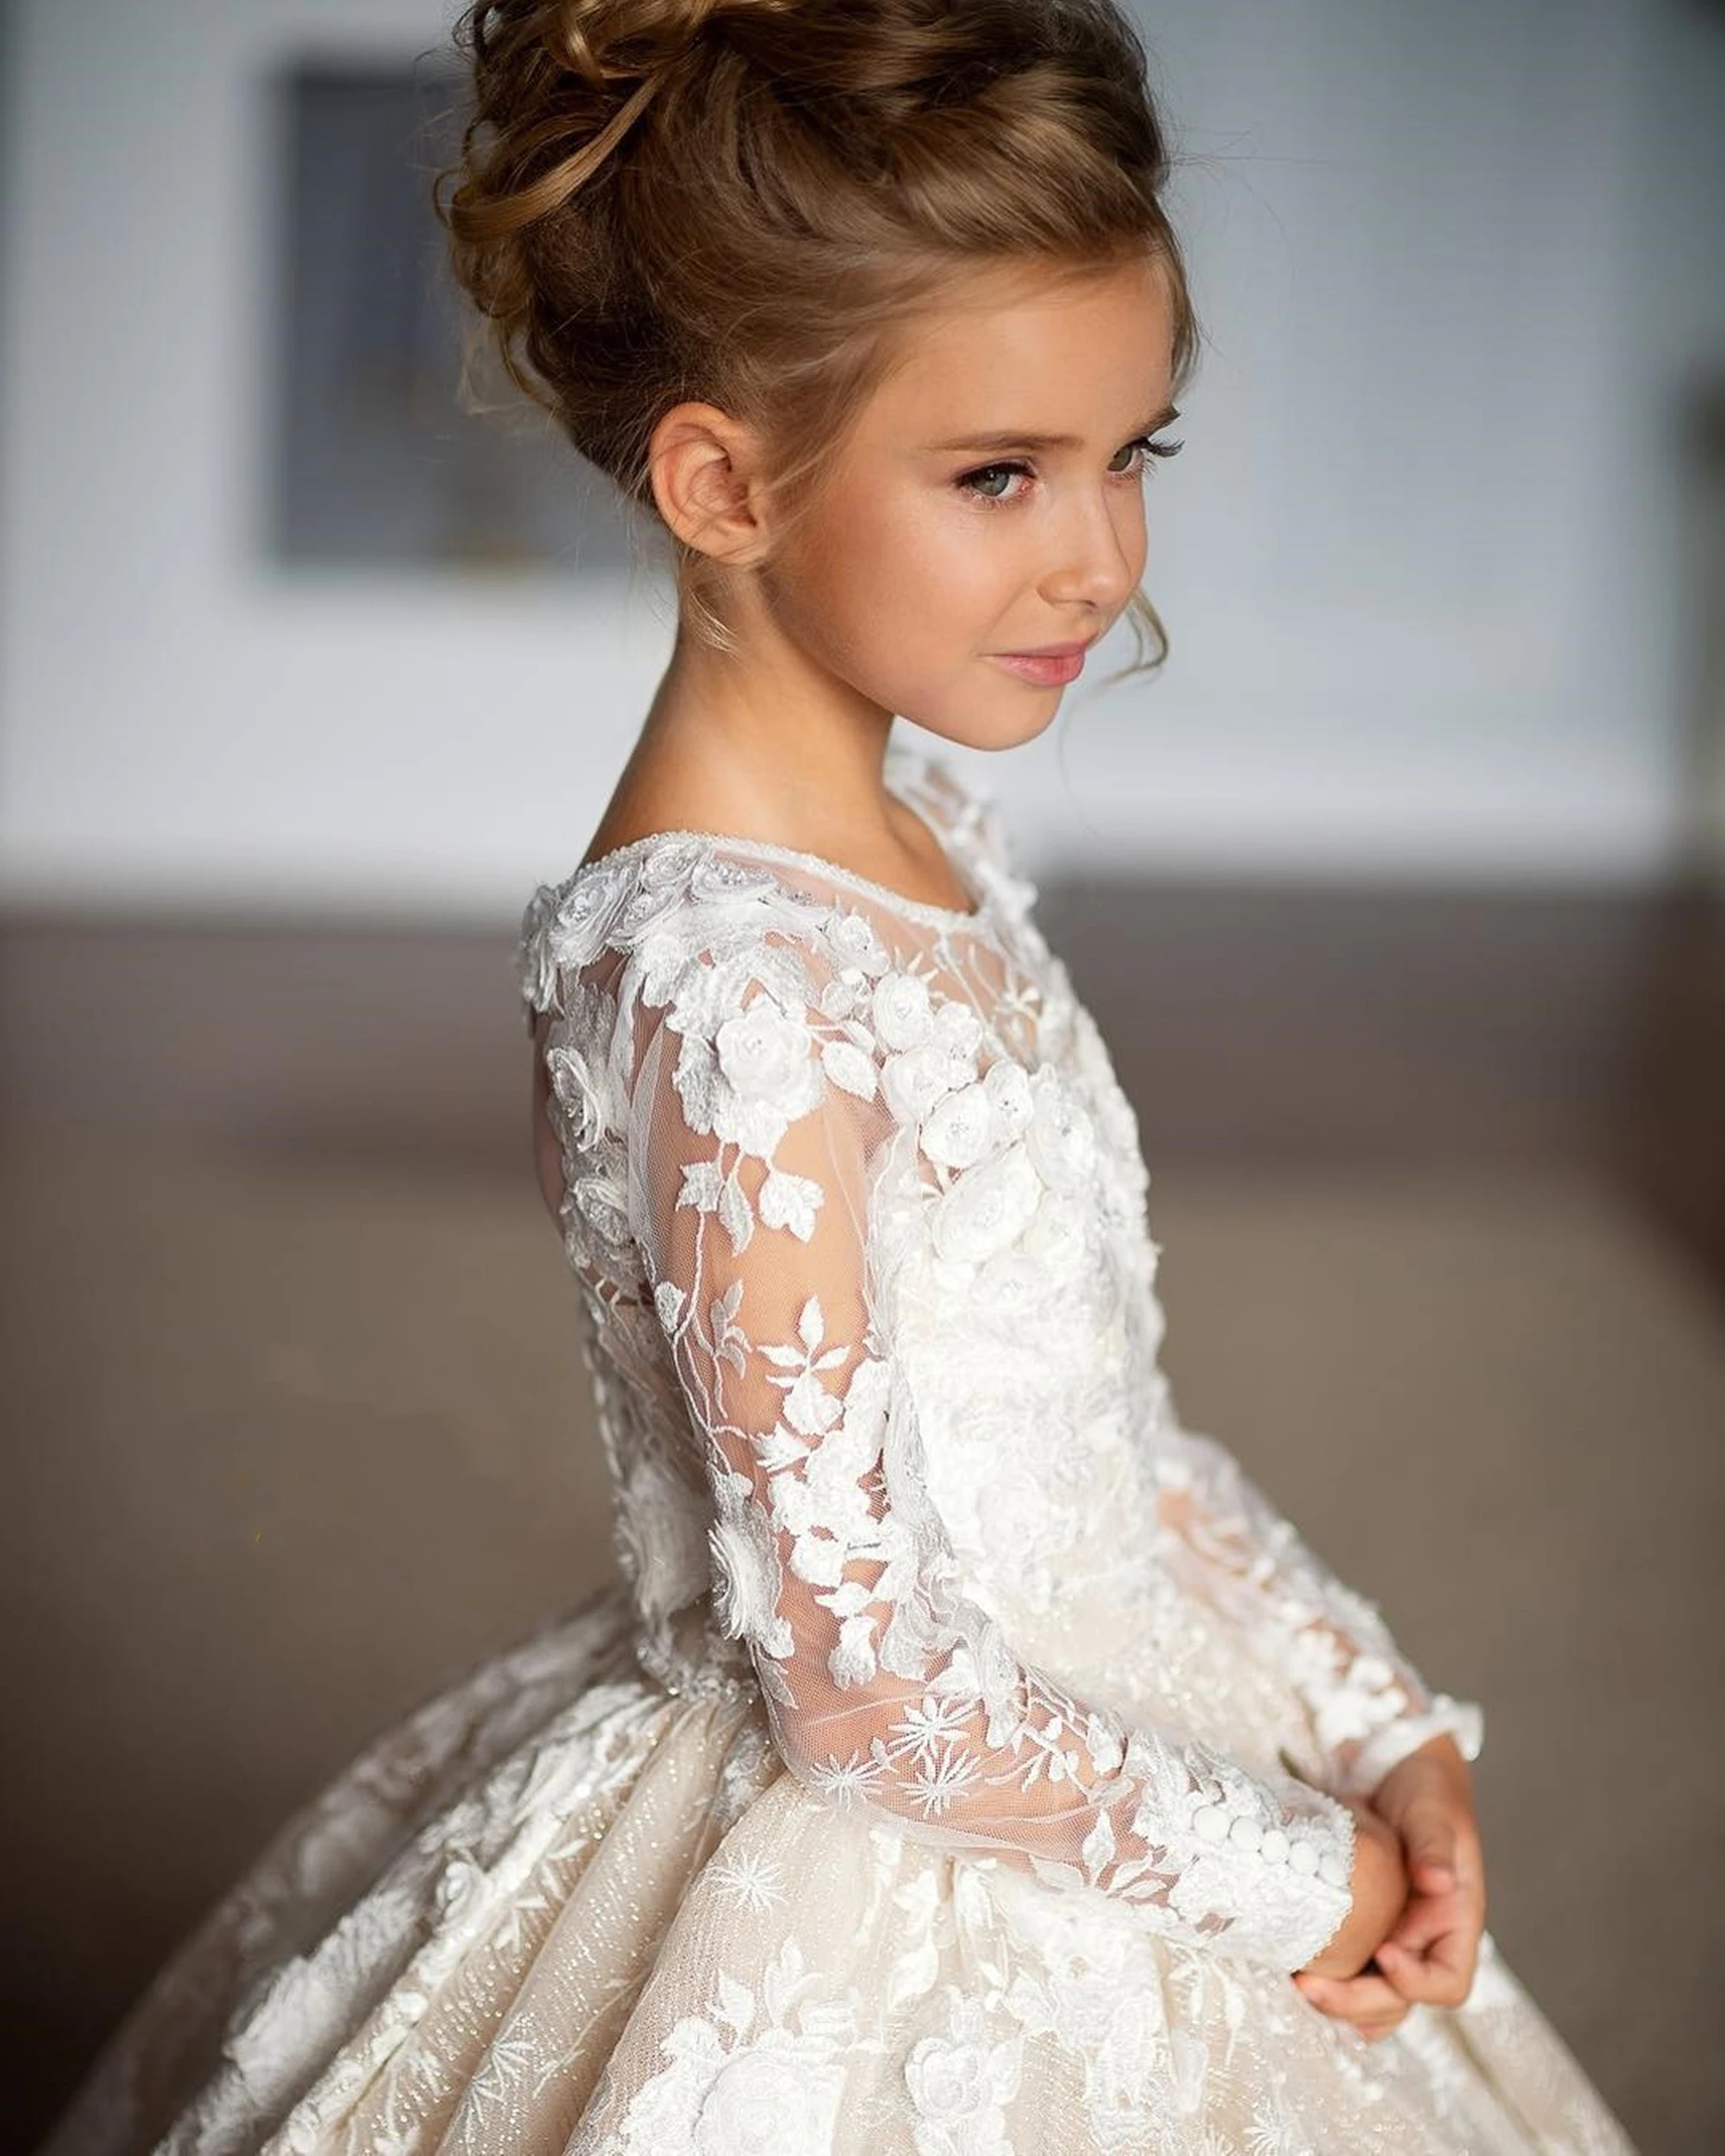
column 1412, row 1977
column 1427, row 1917
column 1372, row 2025
column 1351, row 1998
column 1429, row 1842
column 1424, row 1920
column 1446, row 1931
column 1442, row 1977
column 1454, row 1957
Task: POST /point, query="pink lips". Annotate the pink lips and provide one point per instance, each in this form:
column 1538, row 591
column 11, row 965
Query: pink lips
column 1048, row 667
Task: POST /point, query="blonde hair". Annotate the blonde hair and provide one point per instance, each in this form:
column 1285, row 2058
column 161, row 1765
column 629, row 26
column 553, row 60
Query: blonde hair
column 746, row 202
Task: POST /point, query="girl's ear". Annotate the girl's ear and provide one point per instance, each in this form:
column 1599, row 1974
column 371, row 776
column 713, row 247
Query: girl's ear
column 704, row 470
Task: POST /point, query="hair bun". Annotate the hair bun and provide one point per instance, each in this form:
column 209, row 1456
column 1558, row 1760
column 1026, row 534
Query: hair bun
column 607, row 41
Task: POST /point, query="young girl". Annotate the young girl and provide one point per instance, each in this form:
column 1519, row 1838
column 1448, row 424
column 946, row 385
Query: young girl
column 969, row 1760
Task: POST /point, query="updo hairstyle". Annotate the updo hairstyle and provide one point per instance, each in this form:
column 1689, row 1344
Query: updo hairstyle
column 749, row 202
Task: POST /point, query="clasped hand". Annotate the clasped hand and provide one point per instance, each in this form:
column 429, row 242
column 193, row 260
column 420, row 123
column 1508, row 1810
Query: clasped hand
column 1418, row 1885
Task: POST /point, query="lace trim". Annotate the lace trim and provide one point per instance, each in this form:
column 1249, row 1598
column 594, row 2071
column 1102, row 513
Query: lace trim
column 907, row 774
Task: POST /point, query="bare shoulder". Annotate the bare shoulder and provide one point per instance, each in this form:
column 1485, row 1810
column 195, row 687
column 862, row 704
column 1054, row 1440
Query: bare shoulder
column 630, row 818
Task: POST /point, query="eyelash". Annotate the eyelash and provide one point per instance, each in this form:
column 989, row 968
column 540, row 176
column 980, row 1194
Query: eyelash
column 1146, row 442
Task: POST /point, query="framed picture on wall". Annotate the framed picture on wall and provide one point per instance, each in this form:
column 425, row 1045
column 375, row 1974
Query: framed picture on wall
column 375, row 461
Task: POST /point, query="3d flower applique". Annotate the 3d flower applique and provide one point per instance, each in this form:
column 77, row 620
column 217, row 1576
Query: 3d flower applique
column 916, row 1067
column 1057, row 1242
column 746, row 1084
column 535, row 967
column 903, row 1010
column 986, row 1208
column 662, row 879
column 588, row 906
column 960, row 1032
column 856, row 946
column 1008, row 1085
column 747, row 1581
column 961, row 1127
column 1013, row 1152
column 914, row 1078
column 595, row 1194
column 576, row 1070
column 1061, row 1137
column 765, row 1056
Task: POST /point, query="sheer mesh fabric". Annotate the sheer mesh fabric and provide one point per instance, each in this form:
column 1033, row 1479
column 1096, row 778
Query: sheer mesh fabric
column 1369, row 1705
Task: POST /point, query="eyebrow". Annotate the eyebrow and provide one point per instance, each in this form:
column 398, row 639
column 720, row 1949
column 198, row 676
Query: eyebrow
column 1026, row 440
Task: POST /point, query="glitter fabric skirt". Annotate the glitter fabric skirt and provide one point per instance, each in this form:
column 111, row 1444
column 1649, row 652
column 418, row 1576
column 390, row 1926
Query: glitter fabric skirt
column 560, row 1911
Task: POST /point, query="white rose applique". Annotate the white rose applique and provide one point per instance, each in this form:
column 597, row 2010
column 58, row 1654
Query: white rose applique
column 961, row 1127
column 1061, row 1137
column 773, row 2090
column 987, row 1208
column 747, row 1581
column 960, row 2082
column 903, row 1015
column 575, row 1071
column 746, row 1075
column 535, row 968
column 765, row 1061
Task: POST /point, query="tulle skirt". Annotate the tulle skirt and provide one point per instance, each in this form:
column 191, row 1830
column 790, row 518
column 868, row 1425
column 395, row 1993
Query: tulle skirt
column 560, row 1911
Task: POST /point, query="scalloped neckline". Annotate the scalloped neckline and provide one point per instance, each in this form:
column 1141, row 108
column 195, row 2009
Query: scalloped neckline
column 793, row 856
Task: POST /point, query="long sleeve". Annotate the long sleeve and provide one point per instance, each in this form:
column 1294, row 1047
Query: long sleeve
column 762, row 1099
column 1370, row 1706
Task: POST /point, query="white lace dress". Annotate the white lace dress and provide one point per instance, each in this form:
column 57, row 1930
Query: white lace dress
column 947, row 1773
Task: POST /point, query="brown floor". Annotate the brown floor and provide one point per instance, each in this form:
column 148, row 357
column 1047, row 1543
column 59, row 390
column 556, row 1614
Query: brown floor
column 298, row 1429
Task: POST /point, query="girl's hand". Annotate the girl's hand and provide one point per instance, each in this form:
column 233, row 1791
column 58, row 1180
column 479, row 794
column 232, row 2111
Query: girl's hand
column 1344, row 1980
column 1430, row 1953
column 1379, row 1886
column 1369, row 2001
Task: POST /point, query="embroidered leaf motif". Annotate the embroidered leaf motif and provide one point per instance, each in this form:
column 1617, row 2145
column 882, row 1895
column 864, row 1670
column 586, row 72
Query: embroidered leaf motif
column 847, row 1063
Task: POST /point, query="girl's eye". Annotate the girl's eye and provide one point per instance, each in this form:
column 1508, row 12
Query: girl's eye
column 971, row 482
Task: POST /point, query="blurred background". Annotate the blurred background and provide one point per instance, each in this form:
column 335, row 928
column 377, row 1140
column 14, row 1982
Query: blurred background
column 1400, row 898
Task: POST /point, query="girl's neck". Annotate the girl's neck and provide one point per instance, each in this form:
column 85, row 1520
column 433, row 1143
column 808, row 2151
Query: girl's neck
column 715, row 755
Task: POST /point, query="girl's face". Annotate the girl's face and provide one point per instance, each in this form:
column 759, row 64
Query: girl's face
column 989, row 499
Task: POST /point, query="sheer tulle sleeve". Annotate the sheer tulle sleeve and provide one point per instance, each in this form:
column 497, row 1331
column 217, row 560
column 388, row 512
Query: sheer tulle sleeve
column 1369, row 1705
column 757, row 1122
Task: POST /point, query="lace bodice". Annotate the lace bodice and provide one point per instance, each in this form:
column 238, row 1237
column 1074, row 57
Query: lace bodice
column 858, row 1210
